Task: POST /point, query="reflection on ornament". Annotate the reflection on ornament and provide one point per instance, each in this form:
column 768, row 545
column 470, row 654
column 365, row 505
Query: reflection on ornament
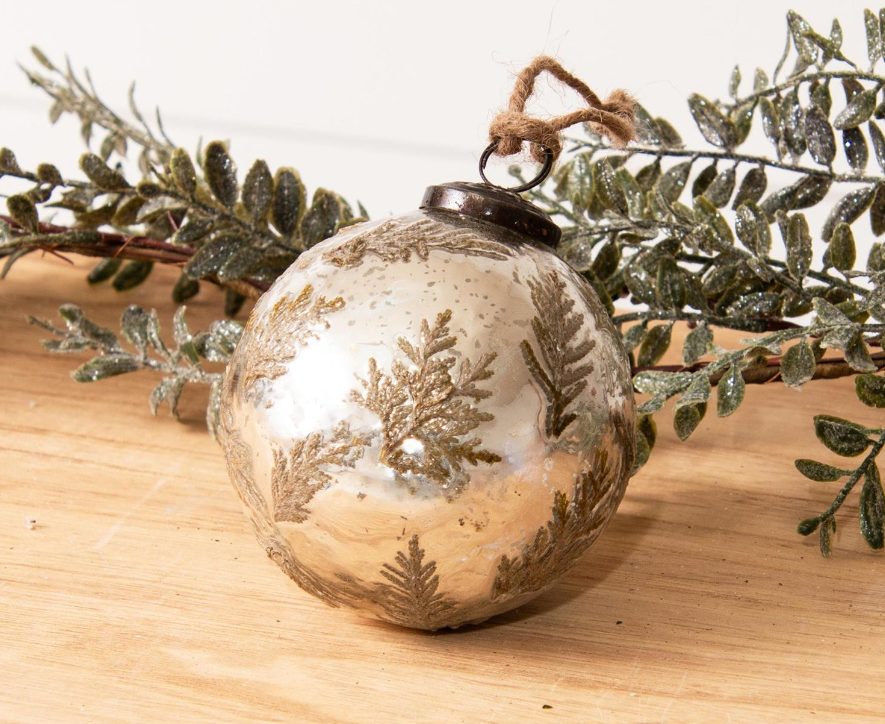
column 429, row 419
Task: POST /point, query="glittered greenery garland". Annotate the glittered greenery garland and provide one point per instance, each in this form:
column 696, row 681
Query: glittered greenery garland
column 687, row 234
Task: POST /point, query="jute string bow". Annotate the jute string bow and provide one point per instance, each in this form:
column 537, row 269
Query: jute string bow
column 511, row 127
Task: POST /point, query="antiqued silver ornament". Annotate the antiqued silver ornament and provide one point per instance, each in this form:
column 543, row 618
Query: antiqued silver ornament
column 430, row 418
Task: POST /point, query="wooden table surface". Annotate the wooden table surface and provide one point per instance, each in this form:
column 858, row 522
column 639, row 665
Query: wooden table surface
column 140, row 594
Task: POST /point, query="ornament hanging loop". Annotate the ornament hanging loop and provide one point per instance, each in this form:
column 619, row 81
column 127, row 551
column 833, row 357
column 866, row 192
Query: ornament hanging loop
column 613, row 118
column 536, row 181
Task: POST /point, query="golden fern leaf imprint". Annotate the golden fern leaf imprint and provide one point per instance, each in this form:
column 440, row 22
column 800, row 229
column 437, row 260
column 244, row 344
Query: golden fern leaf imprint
column 557, row 372
column 393, row 241
column 299, row 472
column 575, row 524
column 238, row 456
column 411, row 597
column 274, row 341
column 427, row 411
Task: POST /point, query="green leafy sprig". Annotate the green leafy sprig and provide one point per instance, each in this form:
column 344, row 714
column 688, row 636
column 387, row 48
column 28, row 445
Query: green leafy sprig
column 693, row 235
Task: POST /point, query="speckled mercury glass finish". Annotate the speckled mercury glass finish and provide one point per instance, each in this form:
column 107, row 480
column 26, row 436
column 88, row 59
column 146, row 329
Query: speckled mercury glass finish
column 428, row 419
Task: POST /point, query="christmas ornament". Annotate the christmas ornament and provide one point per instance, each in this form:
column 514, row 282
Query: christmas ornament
column 430, row 418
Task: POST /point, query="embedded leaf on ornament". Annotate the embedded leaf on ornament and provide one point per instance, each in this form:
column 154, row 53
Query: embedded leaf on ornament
column 715, row 127
column 257, row 193
column 857, row 355
column 655, row 344
column 698, row 343
column 858, row 110
column 872, row 508
column 686, row 420
column 752, row 187
column 730, row 392
column 819, row 472
column 220, row 173
column 101, row 174
column 848, row 209
column 183, row 172
column 820, row 136
column 855, row 147
column 100, row 368
column 322, row 218
column 844, row 438
column 104, row 270
column 870, row 390
column 797, row 365
column 132, row 274
column 842, row 251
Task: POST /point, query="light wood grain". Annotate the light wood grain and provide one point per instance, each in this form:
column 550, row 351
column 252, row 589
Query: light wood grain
column 140, row 594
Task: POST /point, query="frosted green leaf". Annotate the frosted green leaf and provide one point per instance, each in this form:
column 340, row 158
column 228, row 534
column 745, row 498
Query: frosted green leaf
column 797, row 365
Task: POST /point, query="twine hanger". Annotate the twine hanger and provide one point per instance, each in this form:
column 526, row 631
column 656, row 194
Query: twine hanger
column 511, row 127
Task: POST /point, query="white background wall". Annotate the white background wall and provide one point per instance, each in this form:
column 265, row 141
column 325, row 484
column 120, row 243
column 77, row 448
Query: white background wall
column 378, row 99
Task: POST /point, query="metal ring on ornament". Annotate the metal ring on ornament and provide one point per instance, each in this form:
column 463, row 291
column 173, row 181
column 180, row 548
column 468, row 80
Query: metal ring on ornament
column 537, row 180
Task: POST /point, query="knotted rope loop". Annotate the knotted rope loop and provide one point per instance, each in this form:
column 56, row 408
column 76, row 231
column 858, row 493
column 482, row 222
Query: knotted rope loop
column 512, row 126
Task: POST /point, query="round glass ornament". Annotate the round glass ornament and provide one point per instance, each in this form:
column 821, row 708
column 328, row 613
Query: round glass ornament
column 430, row 418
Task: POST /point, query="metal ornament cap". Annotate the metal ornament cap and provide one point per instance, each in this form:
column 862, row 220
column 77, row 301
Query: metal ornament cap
column 495, row 205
